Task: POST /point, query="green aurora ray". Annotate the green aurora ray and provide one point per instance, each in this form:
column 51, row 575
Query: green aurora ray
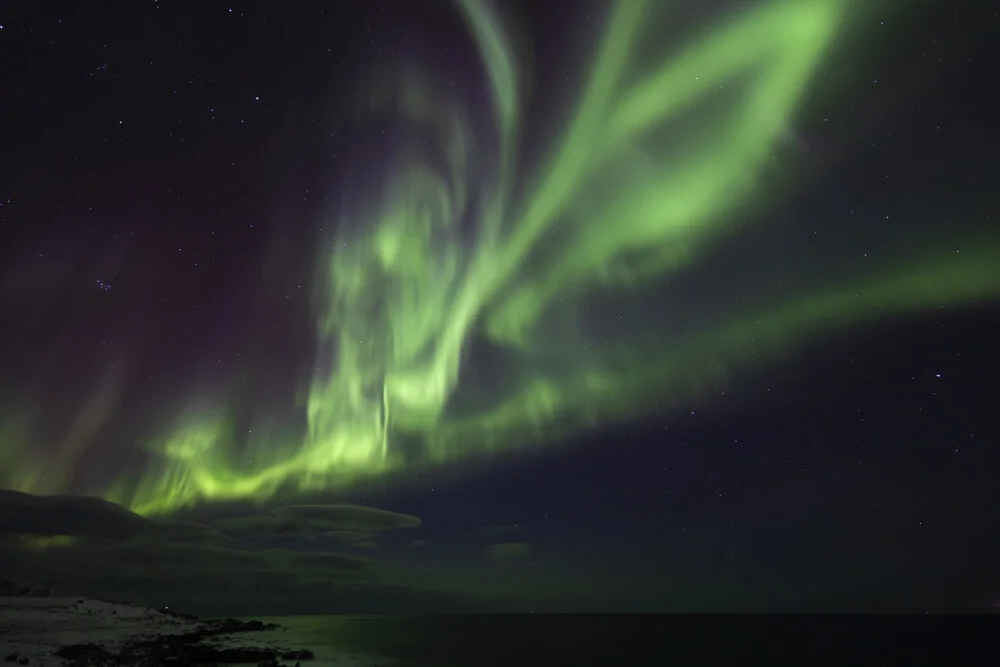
column 408, row 290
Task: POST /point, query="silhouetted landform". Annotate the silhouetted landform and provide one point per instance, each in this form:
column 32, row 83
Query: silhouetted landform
column 10, row 589
column 80, row 632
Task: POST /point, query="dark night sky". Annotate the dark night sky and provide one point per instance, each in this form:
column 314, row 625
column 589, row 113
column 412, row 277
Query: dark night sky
column 171, row 172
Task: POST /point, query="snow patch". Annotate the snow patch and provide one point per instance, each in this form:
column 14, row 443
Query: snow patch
column 34, row 628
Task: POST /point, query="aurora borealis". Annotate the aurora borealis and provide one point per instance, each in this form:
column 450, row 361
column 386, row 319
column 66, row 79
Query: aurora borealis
column 533, row 243
column 454, row 244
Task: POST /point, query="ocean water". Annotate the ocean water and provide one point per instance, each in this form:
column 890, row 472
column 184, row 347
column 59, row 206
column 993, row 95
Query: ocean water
column 640, row 640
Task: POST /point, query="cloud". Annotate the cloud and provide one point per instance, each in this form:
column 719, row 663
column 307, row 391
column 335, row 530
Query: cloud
column 216, row 566
column 350, row 537
column 348, row 524
column 353, row 539
column 185, row 575
column 259, row 526
column 509, row 550
column 353, row 525
column 329, row 560
column 184, row 531
column 341, row 516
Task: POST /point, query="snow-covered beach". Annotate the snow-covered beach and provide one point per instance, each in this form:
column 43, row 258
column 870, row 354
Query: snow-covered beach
column 35, row 627
column 56, row 631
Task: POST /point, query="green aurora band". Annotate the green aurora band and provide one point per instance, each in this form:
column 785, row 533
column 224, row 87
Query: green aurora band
column 619, row 200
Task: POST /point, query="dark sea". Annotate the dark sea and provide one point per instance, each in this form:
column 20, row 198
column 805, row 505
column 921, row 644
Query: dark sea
column 641, row 640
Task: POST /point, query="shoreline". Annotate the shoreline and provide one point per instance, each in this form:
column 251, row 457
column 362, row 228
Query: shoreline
column 83, row 632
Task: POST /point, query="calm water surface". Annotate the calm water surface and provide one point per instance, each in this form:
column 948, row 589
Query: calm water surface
column 624, row 640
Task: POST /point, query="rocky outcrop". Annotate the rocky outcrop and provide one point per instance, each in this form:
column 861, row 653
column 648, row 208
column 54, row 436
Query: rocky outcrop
column 82, row 632
column 184, row 649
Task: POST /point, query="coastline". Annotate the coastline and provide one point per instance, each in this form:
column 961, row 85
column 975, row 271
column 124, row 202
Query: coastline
column 83, row 632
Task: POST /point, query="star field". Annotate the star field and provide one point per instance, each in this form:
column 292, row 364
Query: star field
column 558, row 340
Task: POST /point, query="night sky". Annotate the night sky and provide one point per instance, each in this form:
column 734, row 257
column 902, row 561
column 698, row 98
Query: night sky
column 432, row 306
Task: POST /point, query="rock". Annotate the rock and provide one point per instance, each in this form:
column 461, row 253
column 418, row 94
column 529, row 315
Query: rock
column 228, row 626
column 87, row 655
column 304, row 654
column 189, row 647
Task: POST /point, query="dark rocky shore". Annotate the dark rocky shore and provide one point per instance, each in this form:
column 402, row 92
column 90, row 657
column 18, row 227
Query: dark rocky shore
column 157, row 646
column 185, row 649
